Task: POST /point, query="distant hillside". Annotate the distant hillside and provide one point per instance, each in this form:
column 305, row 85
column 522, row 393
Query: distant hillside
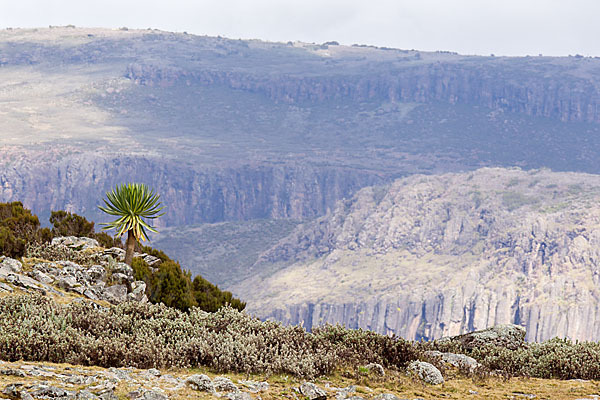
column 223, row 252
column 232, row 130
column 431, row 256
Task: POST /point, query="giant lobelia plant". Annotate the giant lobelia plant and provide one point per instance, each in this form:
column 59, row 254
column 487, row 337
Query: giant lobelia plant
column 133, row 204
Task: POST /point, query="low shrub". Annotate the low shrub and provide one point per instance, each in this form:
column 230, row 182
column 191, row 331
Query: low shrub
column 553, row 359
column 362, row 347
column 35, row 328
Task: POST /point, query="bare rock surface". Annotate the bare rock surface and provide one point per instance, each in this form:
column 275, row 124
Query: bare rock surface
column 201, row 383
column 455, row 360
column 76, row 243
column 434, row 256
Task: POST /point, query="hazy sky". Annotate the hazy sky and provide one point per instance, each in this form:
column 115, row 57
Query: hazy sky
column 507, row 27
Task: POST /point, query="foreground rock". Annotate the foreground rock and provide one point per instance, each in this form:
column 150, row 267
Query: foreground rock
column 312, row 391
column 425, row 372
column 455, row 360
column 23, row 380
column 103, row 278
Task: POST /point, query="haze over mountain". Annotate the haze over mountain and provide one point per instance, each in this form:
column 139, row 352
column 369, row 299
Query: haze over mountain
column 263, row 135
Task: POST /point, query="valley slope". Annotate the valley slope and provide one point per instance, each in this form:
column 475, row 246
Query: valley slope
column 433, row 256
column 260, row 136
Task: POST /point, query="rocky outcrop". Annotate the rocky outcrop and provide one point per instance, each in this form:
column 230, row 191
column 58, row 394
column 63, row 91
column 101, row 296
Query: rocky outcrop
column 110, row 280
column 444, row 255
column 509, row 336
column 68, row 382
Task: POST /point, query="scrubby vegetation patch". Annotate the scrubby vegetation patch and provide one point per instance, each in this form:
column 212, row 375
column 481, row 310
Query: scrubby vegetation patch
column 146, row 335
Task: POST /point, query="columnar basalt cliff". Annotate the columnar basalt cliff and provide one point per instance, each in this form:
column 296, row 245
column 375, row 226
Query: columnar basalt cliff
column 193, row 195
column 437, row 256
column 531, row 87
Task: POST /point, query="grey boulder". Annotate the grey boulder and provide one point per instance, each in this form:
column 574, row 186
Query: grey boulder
column 115, row 294
column 76, row 243
column 144, row 394
column 425, row 372
column 200, row 382
column 312, row 391
column 455, row 360
column 11, row 264
column 224, row 384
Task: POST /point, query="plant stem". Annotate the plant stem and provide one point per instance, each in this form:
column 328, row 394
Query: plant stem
column 129, row 247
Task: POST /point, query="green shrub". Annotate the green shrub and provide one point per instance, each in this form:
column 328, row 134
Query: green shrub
column 141, row 271
column 18, row 227
column 210, row 298
column 173, row 286
column 68, row 224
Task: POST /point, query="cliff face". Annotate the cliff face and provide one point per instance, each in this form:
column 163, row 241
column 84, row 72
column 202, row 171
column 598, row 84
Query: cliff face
column 192, row 195
column 436, row 256
column 530, row 87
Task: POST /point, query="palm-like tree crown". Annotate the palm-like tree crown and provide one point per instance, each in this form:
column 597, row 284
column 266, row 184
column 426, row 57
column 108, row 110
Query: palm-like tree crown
column 132, row 203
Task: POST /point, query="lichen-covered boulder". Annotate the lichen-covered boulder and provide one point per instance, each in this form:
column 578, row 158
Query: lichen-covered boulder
column 200, row 382
column 11, row 264
column 426, row 372
column 76, row 243
column 115, row 294
column 312, row 391
column 223, row 384
column 455, row 360
column 386, row 396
